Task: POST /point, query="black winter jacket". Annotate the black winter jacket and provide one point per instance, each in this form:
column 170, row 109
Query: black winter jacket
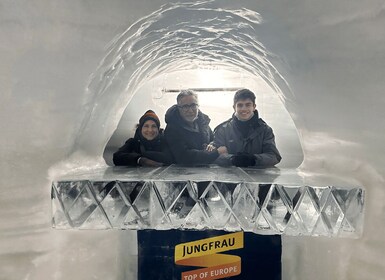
column 259, row 140
column 188, row 144
column 137, row 147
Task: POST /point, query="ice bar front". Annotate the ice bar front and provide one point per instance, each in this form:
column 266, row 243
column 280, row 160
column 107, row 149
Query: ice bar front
column 269, row 201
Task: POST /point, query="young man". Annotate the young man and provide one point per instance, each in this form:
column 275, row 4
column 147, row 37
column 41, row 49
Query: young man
column 188, row 133
column 248, row 140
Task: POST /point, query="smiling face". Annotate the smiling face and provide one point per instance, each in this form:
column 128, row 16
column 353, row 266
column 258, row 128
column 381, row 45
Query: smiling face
column 149, row 130
column 188, row 108
column 244, row 109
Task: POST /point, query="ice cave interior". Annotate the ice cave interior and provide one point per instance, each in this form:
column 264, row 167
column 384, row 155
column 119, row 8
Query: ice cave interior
column 76, row 75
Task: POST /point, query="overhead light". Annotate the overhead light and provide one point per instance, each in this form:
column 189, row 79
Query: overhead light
column 211, row 89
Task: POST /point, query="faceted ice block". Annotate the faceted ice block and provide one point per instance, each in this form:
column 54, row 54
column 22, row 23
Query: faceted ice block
column 206, row 197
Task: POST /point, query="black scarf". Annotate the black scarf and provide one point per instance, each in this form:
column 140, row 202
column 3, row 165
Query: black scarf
column 148, row 145
column 245, row 126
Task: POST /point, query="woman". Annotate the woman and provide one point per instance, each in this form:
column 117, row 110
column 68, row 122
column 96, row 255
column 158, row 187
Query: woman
column 147, row 148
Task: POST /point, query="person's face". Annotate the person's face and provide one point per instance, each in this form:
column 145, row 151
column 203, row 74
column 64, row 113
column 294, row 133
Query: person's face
column 149, row 130
column 244, row 109
column 188, row 108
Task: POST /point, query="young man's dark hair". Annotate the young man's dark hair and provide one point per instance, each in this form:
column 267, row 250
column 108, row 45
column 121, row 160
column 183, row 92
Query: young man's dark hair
column 243, row 94
column 248, row 140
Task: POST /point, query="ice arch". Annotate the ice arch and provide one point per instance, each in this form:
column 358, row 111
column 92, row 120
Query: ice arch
column 177, row 37
column 335, row 57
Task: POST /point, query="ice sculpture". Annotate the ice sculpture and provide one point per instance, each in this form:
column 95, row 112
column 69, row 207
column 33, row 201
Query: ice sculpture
column 270, row 201
column 335, row 56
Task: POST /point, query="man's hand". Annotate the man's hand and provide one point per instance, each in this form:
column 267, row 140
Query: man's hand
column 148, row 162
column 222, row 150
column 210, row 148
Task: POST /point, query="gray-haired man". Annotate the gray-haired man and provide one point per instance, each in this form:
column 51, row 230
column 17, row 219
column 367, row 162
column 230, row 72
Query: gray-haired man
column 188, row 132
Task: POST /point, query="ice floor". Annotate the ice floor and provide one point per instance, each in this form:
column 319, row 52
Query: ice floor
column 324, row 61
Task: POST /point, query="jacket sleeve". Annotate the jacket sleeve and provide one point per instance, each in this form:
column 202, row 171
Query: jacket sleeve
column 181, row 152
column 270, row 155
column 126, row 155
column 219, row 137
column 163, row 156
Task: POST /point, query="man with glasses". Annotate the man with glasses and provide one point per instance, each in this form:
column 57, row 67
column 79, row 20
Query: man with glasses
column 247, row 138
column 188, row 133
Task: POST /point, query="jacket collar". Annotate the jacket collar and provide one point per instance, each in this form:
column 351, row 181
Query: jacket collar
column 254, row 121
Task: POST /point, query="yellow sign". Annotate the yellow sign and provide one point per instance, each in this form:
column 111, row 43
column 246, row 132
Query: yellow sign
column 204, row 253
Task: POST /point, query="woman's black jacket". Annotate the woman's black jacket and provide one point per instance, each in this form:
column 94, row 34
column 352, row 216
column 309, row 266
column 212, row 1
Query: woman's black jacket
column 137, row 147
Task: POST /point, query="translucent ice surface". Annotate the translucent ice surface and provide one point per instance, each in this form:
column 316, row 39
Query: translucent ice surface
column 323, row 60
column 207, row 198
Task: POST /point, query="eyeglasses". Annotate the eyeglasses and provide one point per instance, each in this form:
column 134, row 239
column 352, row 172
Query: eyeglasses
column 186, row 107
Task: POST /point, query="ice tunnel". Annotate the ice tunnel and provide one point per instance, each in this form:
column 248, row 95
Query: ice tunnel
column 219, row 49
column 77, row 75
